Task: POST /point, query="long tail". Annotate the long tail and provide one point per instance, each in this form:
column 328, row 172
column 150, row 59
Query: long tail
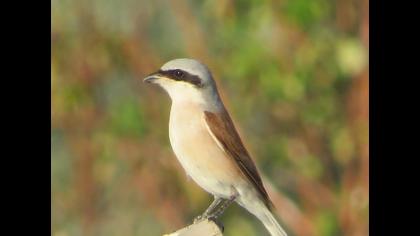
column 258, row 208
column 267, row 218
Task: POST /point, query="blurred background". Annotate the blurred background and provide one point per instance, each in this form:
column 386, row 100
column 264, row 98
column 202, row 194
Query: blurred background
column 293, row 74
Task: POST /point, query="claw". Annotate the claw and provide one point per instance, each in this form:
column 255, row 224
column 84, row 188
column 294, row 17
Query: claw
column 218, row 223
column 199, row 218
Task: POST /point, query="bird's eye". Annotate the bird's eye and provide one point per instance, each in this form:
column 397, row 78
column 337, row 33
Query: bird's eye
column 179, row 73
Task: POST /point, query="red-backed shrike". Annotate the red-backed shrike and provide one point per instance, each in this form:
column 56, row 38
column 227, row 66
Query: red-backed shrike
column 207, row 145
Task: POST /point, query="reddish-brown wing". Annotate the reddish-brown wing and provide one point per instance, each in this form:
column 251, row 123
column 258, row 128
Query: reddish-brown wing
column 222, row 127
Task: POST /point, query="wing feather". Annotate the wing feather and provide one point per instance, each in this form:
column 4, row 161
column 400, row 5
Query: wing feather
column 223, row 130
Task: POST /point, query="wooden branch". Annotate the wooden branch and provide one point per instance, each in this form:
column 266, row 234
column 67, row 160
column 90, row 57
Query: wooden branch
column 203, row 228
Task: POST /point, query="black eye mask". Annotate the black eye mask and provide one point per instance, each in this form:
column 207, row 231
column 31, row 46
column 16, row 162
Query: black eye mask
column 180, row 75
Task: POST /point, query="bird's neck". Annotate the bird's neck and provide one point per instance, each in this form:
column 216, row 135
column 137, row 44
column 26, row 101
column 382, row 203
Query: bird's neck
column 198, row 106
column 200, row 102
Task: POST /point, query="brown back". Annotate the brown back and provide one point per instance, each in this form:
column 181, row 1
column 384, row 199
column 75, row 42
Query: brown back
column 222, row 127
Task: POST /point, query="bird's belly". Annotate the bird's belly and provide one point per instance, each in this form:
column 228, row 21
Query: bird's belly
column 202, row 159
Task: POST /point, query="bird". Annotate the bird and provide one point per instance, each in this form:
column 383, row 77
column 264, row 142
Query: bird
column 207, row 145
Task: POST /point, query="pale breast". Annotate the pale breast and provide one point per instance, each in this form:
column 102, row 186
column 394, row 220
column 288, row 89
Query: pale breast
column 198, row 153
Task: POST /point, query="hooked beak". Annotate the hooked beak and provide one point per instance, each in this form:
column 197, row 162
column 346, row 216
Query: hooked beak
column 152, row 77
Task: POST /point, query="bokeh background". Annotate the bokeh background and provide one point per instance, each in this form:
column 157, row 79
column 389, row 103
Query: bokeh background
column 293, row 73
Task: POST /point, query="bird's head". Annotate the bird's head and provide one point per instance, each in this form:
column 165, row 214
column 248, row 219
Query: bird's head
column 185, row 80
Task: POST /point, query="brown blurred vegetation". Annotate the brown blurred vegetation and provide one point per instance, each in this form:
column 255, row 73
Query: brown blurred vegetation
column 294, row 75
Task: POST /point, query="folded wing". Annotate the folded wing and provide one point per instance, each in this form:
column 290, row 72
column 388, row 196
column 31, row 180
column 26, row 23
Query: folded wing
column 222, row 129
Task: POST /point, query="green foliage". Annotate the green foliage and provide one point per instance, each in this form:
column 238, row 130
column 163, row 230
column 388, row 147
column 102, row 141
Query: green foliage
column 126, row 118
column 307, row 13
column 327, row 224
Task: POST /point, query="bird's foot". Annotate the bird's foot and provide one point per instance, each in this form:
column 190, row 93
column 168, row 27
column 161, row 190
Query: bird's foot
column 200, row 218
column 212, row 217
column 217, row 222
